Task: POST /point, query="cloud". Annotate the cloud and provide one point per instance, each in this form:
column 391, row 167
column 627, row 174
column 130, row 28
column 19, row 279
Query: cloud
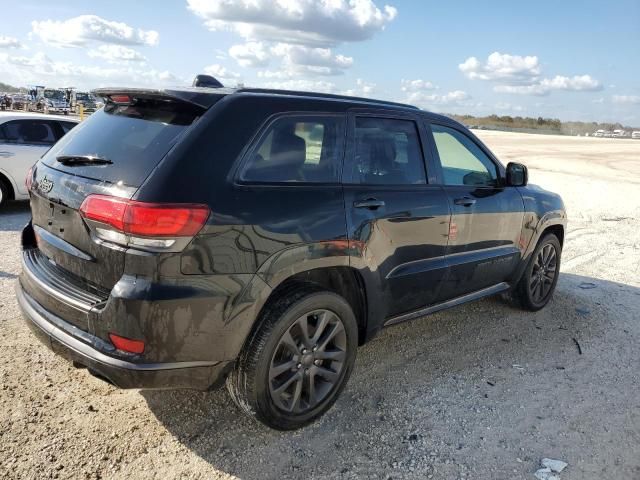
column 250, row 54
column 503, row 67
column 578, row 83
column 302, row 85
column 222, row 73
column 84, row 29
column 362, row 89
column 117, row 54
column 522, row 75
column 41, row 69
column 508, row 107
column 307, row 22
column 315, row 57
column 626, row 99
column 416, row 85
column 297, row 61
column 434, row 101
column 10, row 42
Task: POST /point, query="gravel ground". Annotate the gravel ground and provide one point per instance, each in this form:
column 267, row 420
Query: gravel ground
column 480, row 391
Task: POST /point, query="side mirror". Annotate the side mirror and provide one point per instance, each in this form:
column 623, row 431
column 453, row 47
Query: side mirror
column 517, row 175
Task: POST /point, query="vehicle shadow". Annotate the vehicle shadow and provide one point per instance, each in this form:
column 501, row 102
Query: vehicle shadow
column 14, row 216
column 416, row 382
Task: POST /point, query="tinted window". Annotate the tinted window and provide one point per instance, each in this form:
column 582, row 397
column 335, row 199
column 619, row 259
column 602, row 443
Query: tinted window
column 463, row 162
column 66, row 126
column 387, row 151
column 134, row 137
column 28, row 132
column 298, row 149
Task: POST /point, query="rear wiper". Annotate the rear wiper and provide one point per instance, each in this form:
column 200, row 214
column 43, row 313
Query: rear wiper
column 73, row 160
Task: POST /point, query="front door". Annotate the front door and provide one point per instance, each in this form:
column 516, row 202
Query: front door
column 397, row 222
column 486, row 216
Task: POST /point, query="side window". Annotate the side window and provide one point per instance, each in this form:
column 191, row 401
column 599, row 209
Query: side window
column 66, row 126
column 298, row 149
column 463, row 162
column 387, row 152
column 29, row 132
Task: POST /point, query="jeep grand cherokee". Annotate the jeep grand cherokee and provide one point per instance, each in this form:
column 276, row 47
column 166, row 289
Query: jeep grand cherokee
column 182, row 237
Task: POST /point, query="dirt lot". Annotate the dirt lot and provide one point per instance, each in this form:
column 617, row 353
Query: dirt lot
column 482, row 391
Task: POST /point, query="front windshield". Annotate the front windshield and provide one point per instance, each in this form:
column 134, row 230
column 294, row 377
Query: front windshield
column 83, row 96
column 54, row 94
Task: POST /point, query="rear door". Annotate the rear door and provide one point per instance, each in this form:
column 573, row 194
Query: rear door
column 397, row 222
column 22, row 143
column 134, row 138
column 487, row 216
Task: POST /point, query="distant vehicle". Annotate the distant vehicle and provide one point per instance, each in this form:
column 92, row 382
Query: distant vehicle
column 636, row 135
column 5, row 101
column 87, row 100
column 608, row 134
column 599, row 133
column 24, row 138
column 55, row 101
column 620, row 133
column 19, row 101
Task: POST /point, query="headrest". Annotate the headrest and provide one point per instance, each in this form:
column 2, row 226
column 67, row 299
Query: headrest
column 33, row 132
column 287, row 149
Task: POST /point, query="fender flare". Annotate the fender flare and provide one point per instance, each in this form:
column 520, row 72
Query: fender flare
column 16, row 193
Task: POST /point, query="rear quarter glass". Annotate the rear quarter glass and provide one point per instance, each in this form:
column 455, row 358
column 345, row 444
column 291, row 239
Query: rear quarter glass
column 133, row 137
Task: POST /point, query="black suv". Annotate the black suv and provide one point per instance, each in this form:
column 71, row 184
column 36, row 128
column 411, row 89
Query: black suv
column 187, row 236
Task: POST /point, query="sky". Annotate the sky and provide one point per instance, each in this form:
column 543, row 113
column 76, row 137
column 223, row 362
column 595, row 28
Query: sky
column 558, row 59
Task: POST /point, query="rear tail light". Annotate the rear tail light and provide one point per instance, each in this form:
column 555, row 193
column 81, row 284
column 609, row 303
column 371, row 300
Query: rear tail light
column 28, row 181
column 120, row 99
column 142, row 224
column 126, row 344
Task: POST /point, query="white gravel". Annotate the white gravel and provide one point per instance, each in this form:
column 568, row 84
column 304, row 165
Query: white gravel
column 434, row 398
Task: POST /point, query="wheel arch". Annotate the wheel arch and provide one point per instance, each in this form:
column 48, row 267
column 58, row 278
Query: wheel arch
column 6, row 181
column 557, row 230
column 342, row 280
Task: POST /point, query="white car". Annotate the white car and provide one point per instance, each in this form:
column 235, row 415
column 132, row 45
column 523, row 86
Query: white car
column 24, row 137
column 636, row 134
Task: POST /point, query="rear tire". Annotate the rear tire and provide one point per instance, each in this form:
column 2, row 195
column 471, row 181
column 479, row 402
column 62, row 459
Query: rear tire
column 5, row 195
column 297, row 361
column 539, row 280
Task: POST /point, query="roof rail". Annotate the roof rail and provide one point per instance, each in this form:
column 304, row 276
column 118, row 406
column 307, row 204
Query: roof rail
column 298, row 93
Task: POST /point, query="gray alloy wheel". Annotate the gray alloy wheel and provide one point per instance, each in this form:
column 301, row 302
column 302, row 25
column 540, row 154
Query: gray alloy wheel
column 308, row 361
column 298, row 358
column 538, row 282
column 543, row 273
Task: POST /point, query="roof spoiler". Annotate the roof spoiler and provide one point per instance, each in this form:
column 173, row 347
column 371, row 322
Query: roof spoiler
column 197, row 96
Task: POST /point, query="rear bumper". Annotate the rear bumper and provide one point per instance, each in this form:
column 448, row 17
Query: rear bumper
column 89, row 351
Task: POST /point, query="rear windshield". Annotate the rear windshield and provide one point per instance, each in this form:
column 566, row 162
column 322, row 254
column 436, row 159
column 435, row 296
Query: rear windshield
column 133, row 137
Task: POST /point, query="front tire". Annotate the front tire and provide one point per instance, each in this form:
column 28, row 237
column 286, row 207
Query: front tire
column 539, row 280
column 4, row 193
column 297, row 361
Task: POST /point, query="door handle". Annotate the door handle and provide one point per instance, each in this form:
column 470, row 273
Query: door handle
column 370, row 203
column 465, row 201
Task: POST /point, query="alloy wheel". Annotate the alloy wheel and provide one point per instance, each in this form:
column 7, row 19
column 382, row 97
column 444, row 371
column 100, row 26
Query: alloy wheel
column 308, row 361
column 543, row 273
